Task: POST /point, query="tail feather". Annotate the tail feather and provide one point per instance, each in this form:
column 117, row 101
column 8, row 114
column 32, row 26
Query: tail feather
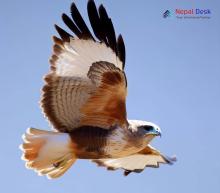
column 48, row 153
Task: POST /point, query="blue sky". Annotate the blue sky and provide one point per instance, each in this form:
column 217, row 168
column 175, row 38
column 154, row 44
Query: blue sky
column 173, row 71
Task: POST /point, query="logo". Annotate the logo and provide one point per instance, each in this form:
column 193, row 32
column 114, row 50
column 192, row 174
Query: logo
column 166, row 14
column 193, row 13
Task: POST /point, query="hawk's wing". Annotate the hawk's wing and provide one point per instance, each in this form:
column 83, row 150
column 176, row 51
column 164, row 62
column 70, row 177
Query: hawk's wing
column 86, row 84
column 148, row 157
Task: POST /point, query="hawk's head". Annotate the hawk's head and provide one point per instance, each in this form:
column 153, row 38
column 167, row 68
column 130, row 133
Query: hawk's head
column 147, row 129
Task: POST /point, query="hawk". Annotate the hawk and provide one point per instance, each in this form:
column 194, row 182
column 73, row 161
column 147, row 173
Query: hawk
column 84, row 100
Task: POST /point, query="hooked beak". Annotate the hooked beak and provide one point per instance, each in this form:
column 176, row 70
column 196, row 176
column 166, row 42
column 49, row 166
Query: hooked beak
column 155, row 132
column 159, row 134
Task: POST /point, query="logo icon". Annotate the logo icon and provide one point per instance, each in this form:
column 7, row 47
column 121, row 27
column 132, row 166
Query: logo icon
column 166, row 14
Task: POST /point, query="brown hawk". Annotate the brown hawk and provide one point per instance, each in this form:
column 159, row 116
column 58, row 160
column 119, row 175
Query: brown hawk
column 84, row 99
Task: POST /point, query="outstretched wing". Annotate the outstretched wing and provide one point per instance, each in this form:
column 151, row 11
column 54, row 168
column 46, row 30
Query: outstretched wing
column 86, row 84
column 148, row 157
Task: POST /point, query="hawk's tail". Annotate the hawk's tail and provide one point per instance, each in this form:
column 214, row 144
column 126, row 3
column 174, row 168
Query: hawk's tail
column 48, row 153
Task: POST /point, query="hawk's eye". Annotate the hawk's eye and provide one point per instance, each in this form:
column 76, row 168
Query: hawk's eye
column 148, row 128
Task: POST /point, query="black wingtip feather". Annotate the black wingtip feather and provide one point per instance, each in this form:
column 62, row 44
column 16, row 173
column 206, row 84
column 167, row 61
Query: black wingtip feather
column 63, row 34
column 77, row 18
column 121, row 49
column 101, row 24
column 71, row 25
column 108, row 27
column 95, row 20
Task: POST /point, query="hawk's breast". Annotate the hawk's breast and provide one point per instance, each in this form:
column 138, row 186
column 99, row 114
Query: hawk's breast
column 89, row 142
column 96, row 143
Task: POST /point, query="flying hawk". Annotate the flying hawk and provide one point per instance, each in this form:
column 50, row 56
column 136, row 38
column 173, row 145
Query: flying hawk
column 84, row 100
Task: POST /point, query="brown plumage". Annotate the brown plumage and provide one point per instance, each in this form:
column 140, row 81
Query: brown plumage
column 106, row 107
column 84, row 99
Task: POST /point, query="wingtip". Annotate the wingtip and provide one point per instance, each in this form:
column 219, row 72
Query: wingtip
column 73, row 7
column 90, row 1
column 57, row 27
column 174, row 158
column 126, row 172
column 101, row 7
column 102, row 11
column 65, row 36
column 171, row 160
column 120, row 38
column 64, row 16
